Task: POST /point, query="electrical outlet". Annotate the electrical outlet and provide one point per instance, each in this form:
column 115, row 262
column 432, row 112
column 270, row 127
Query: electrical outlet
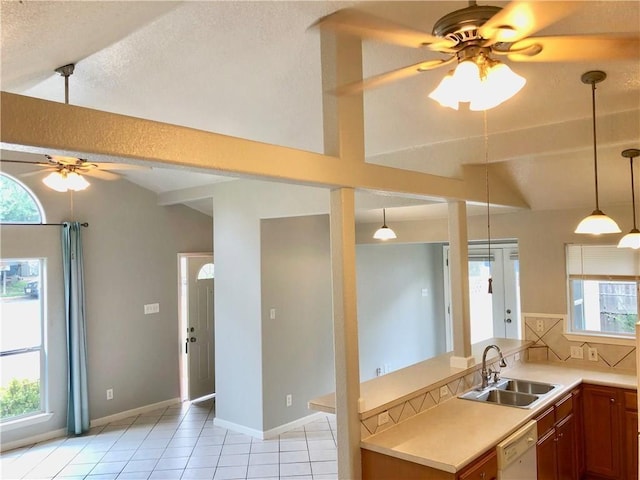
column 289, row 400
column 577, row 352
column 540, row 326
column 593, row 354
column 383, row 418
column 444, row 391
column 378, row 371
column 110, row 394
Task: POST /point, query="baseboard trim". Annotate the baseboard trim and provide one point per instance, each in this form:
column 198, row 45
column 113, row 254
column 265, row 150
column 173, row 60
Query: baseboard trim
column 271, row 433
column 98, row 422
column 62, row 432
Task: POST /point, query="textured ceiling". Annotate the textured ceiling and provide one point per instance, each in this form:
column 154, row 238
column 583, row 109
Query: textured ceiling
column 252, row 70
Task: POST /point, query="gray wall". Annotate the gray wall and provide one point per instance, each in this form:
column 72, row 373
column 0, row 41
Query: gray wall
column 541, row 237
column 297, row 345
column 398, row 326
column 130, row 258
column 239, row 208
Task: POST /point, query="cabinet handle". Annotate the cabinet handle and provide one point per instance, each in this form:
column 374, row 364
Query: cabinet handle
column 483, row 475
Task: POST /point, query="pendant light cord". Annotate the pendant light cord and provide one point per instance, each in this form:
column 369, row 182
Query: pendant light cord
column 486, row 178
column 595, row 150
column 633, row 195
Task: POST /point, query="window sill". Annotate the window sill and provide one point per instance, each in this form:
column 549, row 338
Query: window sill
column 25, row 422
column 605, row 339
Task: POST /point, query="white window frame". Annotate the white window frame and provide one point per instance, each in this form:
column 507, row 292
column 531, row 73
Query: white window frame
column 599, row 262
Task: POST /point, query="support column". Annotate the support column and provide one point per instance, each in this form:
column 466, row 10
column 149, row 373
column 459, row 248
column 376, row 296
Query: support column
column 345, row 332
column 459, row 277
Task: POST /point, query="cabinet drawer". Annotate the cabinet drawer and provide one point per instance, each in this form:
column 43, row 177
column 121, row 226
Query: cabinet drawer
column 564, row 408
column 486, row 468
column 631, row 400
column 545, row 422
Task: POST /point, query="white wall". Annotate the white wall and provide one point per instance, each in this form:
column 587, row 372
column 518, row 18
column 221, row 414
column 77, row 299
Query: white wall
column 398, row 326
column 130, row 258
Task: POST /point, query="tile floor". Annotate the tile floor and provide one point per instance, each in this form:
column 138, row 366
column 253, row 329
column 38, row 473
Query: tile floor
column 178, row 442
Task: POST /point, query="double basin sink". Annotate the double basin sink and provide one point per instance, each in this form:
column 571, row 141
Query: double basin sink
column 512, row 392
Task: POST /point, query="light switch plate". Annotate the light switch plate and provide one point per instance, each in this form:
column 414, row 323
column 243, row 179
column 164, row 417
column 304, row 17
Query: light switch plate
column 577, row 352
column 151, row 308
column 593, row 354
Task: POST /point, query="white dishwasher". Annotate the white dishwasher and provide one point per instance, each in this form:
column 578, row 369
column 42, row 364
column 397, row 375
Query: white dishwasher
column 517, row 454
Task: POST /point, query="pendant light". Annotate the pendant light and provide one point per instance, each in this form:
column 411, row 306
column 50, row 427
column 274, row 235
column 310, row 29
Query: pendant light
column 597, row 223
column 384, row 232
column 631, row 239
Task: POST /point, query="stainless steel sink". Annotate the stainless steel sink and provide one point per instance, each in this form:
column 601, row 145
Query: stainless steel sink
column 525, row 386
column 512, row 392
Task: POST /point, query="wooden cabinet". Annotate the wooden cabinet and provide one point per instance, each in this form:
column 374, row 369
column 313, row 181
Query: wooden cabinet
column 556, row 449
column 603, row 431
column 631, row 434
column 484, row 468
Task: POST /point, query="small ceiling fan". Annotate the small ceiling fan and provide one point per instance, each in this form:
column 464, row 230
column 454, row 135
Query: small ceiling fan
column 476, row 34
column 67, row 172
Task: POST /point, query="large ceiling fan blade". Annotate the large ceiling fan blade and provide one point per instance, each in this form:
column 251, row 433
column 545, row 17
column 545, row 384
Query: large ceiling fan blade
column 40, row 164
column 392, row 76
column 365, row 25
column 36, row 172
column 520, row 19
column 100, row 174
column 576, row 48
column 118, row 166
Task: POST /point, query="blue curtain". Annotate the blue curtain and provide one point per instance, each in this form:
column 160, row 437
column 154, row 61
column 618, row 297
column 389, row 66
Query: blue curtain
column 78, row 405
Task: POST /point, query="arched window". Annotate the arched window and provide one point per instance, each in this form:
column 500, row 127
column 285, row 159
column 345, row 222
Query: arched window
column 207, row 271
column 17, row 203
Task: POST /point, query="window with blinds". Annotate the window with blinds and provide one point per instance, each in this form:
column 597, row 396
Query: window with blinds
column 603, row 286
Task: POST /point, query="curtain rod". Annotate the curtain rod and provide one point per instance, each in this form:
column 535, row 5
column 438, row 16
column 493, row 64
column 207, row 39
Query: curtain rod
column 85, row 224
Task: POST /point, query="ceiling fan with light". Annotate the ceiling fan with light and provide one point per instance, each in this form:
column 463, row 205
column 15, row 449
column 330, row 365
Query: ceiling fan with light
column 67, row 173
column 471, row 37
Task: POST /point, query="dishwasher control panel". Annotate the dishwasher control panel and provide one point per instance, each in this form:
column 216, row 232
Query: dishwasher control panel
column 514, row 446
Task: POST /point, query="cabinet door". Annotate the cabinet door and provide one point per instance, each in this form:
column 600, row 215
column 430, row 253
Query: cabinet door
column 631, row 444
column 485, row 468
column 602, row 430
column 565, row 451
column 578, row 424
column 546, row 456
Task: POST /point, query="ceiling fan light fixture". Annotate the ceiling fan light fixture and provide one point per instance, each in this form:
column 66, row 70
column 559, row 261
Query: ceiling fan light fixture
column 63, row 181
column 482, row 82
column 445, row 93
column 384, row 232
column 501, row 83
column 76, row 182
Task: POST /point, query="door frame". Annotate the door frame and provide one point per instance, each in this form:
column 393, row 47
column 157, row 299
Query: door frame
column 183, row 366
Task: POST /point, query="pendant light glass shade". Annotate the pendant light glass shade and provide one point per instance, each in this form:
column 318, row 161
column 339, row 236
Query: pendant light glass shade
column 597, row 223
column 482, row 82
column 63, row 181
column 384, row 232
column 631, row 239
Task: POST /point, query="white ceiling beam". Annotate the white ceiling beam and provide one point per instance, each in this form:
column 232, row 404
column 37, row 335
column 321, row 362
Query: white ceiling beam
column 40, row 126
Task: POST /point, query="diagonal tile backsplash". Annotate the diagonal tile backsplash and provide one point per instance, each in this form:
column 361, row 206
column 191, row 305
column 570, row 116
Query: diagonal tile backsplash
column 550, row 344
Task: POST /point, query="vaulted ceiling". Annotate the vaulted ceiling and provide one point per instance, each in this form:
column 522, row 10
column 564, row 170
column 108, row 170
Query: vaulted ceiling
column 252, row 70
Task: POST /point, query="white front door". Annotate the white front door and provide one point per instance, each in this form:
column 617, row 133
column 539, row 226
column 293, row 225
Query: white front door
column 198, row 324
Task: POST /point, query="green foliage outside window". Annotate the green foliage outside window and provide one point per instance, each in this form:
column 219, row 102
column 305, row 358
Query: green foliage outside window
column 16, row 204
column 19, row 398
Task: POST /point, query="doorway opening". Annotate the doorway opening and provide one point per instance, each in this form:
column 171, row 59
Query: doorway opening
column 497, row 314
column 196, row 275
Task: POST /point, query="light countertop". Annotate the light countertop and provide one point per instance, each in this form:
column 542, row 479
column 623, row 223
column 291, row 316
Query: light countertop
column 452, row 434
column 404, row 383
